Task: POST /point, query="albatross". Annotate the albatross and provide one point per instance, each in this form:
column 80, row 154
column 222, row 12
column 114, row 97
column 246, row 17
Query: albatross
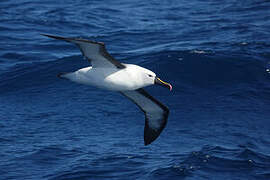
column 107, row 73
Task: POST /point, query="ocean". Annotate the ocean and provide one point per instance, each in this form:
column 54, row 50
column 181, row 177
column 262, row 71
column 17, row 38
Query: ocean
column 216, row 55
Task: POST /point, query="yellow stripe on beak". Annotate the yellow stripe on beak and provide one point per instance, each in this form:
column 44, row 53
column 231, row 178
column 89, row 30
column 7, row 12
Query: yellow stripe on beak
column 160, row 82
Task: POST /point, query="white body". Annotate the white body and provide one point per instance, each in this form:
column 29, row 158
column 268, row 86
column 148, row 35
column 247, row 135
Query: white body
column 130, row 78
column 107, row 73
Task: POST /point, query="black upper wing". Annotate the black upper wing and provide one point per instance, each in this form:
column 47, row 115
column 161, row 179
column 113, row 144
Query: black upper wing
column 95, row 52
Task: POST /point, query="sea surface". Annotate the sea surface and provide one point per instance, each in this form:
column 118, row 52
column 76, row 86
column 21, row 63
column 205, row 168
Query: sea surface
column 216, row 54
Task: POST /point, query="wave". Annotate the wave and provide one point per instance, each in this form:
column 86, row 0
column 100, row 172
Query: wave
column 214, row 161
column 37, row 74
column 197, row 68
column 128, row 167
column 219, row 162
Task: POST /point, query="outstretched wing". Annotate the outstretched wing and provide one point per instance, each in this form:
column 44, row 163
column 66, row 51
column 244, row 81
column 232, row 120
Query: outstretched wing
column 95, row 52
column 156, row 114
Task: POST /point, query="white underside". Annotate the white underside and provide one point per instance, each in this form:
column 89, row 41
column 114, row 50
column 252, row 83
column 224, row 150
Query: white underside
column 129, row 78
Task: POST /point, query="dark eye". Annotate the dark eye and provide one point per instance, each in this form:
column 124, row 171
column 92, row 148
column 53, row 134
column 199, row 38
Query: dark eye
column 150, row 75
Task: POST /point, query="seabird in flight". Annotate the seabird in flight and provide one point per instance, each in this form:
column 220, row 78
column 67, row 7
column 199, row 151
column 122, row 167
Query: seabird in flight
column 128, row 79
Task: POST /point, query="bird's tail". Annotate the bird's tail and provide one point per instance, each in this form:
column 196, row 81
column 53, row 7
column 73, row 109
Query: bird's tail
column 62, row 75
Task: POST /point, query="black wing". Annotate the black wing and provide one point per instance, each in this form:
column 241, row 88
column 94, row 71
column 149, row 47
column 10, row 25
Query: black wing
column 156, row 114
column 95, row 52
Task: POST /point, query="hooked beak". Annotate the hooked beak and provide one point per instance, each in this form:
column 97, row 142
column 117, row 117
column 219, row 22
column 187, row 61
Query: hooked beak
column 160, row 82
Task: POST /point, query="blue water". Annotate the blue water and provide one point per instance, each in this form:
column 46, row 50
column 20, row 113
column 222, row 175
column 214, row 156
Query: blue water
column 216, row 54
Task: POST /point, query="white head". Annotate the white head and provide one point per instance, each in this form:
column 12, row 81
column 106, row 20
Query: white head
column 150, row 78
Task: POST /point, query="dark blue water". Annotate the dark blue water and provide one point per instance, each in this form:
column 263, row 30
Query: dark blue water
column 216, row 54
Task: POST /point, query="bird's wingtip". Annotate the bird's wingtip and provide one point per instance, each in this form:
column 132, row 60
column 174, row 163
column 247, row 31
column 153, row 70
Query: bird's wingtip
column 55, row 37
column 146, row 143
column 43, row 34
